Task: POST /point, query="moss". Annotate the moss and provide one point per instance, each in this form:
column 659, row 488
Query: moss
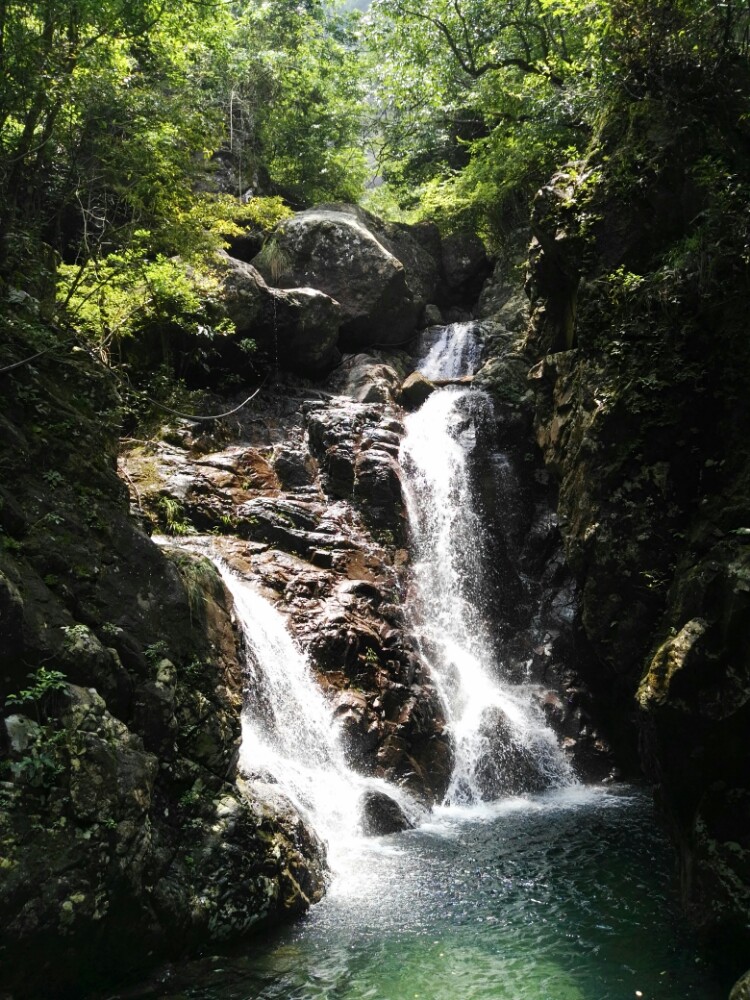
column 669, row 660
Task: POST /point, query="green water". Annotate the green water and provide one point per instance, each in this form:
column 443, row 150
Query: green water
column 565, row 896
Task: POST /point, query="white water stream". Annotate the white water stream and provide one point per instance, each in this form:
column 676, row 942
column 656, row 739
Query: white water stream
column 450, row 351
column 559, row 895
column 289, row 735
column 502, row 744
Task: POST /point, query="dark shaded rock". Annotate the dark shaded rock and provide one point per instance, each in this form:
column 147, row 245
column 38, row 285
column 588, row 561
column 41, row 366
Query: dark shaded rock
column 245, row 246
column 11, row 617
column 506, row 766
column 378, row 489
column 294, row 468
column 127, row 834
column 432, row 316
column 382, row 815
column 359, row 726
column 465, row 267
column 642, row 414
column 741, row 989
column 298, row 326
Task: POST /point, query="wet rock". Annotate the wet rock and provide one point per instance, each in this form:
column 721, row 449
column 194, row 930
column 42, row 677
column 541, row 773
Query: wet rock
column 366, row 379
column 741, row 989
column 506, row 766
column 378, row 489
column 294, row 468
column 382, row 815
column 359, row 728
column 414, row 391
column 325, row 553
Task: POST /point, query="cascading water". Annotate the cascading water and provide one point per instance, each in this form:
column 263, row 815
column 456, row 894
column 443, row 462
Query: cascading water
column 501, row 742
column 558, row 896
column 450, row 351
column 289, row 735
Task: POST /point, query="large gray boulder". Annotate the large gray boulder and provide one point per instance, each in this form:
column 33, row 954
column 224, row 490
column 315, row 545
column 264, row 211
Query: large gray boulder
column 367, row 378
column 300, row 326
column 382, row 274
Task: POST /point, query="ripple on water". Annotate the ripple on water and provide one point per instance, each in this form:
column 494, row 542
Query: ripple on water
column 564, row 896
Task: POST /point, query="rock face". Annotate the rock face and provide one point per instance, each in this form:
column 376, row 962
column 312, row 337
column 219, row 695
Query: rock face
column 414, row 391
column 641, row 386
column 126, row 833
column 307, row 504
column 465, row 268
column 382, row 274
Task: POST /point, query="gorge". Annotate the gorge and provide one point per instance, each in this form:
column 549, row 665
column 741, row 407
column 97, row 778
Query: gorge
column 428, row 619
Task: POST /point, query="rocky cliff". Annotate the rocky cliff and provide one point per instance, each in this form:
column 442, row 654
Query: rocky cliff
column 126, row 832
column 639, row 349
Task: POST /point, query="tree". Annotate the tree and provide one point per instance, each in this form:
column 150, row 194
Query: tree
column 71, row 70
column 296, row 101
column 479, row 98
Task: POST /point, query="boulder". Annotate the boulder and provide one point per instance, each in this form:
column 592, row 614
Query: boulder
column 298, row 326
column 382, row 815
column 294, row 468
column 365, row 379
column 382, row 275
column 377, row 487
column 432, row 315
column 414, row 391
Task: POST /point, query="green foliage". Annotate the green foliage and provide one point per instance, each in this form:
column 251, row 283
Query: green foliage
column 481, row 99
column 111, row 115
column 661, row 47
column 224, row 215
column 155, row 651
column 371, row 657
column 128, row 295
column 75, row 633
column 296, row 100
column 274, row 259
column 102, row 109
column 41, row 762
column 43, row 683
column 174, row 519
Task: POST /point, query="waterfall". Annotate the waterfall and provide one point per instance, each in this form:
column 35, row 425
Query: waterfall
column 501, row 742
column 289, row 736
column 449, row 351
